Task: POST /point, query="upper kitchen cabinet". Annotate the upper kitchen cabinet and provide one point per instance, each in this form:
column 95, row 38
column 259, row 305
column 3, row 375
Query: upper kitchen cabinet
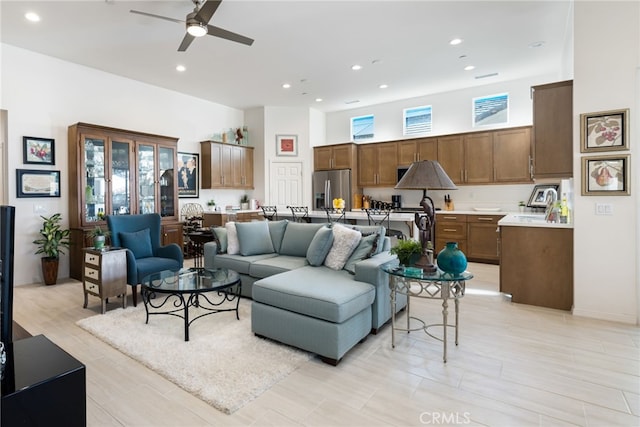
column 378, row 165
column 451, row 157
column 512, row 155
column 331, row 157
column 118, row 172
column 415, row 150
column 552, row 130
column 226, row 165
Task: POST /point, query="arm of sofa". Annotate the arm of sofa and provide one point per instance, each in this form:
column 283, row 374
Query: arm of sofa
column 369, row 271
column 210, row 251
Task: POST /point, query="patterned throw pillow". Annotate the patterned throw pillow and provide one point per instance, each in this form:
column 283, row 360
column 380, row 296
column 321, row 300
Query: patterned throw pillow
column 345, row 241
column 366, row 249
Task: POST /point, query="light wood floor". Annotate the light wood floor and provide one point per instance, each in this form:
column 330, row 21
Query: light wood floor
column 516, row 365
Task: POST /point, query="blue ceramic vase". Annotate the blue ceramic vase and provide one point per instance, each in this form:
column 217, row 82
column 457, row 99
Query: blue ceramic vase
column 451, row 259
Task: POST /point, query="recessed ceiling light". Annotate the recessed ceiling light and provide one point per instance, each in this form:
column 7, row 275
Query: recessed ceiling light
column 455, row 41
column 469, row 67
column 319, row 99
column 181, row 68
column 383, row 86
column 536, row 44
column 286, row 85
column 356, row 67
column 32, row 16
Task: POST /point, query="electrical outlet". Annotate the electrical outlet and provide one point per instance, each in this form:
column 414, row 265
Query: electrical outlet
column 39, row 209
column 604, row 209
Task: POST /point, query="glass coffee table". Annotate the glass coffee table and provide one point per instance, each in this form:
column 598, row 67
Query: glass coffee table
column 173, row 292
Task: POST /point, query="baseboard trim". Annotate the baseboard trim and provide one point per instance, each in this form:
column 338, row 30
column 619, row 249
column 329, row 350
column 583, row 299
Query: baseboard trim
column 614, row 317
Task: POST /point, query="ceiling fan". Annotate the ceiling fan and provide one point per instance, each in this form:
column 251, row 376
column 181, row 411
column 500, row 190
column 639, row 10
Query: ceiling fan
column 197, row 23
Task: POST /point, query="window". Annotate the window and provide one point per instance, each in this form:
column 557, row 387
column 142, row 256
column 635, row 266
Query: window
column 362, row 127
column 491, row 110
column 416, row 120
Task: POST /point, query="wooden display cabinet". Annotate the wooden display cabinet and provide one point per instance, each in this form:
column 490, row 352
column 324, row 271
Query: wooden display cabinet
column 119, row 172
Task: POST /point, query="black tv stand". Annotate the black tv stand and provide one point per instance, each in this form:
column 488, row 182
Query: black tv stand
column 42, row 384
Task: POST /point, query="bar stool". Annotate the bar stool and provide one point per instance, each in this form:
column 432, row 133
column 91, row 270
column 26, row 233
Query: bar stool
column 300, row 213
column 382, row 217
column 270, row 213
column 335, row 215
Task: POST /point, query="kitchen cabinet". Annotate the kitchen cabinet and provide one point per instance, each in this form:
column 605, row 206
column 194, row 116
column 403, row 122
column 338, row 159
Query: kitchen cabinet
column 332, row 157
column 482, row 238
column 226, row 165
column 512, row 155
column 219, row 219
column 536, row 265
column 378, row 165
column 553, row 130
column 415, row 150
column 451, row 228
column 487, row 157
column 118, row 172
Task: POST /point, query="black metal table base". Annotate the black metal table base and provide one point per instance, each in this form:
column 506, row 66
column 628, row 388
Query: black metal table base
column 210, row 301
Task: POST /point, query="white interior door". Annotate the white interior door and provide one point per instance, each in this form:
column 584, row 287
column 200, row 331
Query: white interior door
column 286, row 185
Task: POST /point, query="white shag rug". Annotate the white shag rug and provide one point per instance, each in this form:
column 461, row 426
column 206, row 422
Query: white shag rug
column 223, row 363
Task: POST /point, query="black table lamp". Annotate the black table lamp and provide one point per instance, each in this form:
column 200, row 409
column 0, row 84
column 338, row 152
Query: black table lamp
column 426, row 175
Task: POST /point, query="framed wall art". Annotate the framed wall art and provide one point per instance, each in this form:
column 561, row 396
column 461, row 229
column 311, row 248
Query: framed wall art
column 604, row 131
column 37, row 183
column 537, row 199
column 38, row 151
column 287, row 145
column 188, row 182
column 606, row 176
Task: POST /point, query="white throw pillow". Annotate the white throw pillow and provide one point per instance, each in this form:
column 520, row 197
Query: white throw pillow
column 345, row 240
column 233, row 244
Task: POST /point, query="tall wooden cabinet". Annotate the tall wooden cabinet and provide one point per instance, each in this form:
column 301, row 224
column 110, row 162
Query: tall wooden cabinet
column 119, row 172
column 226, row 165
column 553, row 130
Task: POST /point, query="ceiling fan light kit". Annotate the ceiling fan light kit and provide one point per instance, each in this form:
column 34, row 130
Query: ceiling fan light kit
column 197, row 24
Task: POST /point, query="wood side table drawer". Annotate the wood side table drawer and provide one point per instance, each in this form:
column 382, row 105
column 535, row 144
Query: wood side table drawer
column 91, row 258
column 91, row 273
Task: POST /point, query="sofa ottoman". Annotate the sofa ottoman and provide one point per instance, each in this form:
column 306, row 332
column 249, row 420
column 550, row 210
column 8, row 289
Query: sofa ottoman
column 318, row 309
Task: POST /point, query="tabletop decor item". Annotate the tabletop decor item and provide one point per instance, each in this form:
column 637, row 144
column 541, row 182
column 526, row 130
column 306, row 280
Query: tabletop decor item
column 451, row 259
column 408, row 251
column 99, row 236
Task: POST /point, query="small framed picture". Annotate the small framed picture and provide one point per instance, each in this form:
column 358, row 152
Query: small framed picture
column 537, row 199
column 604, row 131
column 188, row 183
column 606, row 176
column 37, row 183
column 287, row 145
column 38, row 151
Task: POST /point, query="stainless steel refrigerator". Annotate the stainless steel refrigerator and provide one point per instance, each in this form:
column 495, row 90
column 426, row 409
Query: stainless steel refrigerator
column 329, row 185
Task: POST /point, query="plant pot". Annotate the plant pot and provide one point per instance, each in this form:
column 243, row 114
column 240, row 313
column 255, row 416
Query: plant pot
column 50, row 270
column 244, row 206
column 98, row 242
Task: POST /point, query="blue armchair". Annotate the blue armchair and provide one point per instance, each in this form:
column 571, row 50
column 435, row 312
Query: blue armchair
column 140, row 235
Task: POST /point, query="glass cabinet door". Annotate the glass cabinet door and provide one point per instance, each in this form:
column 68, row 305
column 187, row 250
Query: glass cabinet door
column 120, row 180
column 167, row 158
column 146, row 179
column 94, row 179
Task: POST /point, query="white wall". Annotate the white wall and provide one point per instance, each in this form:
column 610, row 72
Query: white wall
column 606, row 247
column 44, row 95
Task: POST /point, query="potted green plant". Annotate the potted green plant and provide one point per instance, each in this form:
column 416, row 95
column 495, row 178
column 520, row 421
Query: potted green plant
column 212, row 204
column 244, row 202
column 408, row 251
column 521, row 205
column 99, row 236
column 53, row 239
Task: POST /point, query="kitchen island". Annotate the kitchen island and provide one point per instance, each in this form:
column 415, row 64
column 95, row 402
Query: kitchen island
column 536, row 261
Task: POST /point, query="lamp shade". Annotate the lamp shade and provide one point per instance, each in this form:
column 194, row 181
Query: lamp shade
column 426, row 175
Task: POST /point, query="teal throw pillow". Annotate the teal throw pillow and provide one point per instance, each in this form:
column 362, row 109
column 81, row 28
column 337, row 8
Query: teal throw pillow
column 366, row 249
column 220, row 234
column 138, row 242
column 380, row 230
column 276, row 229
column 254, row 238
column 298, row 237
column 320, row 246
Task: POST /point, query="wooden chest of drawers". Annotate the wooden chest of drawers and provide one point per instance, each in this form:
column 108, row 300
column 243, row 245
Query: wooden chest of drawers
column 105, row 275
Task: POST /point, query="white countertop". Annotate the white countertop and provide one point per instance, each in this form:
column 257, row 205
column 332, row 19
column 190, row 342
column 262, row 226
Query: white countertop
column 530, row 220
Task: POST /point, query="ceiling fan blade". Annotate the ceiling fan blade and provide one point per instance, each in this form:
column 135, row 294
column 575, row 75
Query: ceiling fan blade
column 186, row 41
column 225, row 34
column 156, row 16
column 207, row 10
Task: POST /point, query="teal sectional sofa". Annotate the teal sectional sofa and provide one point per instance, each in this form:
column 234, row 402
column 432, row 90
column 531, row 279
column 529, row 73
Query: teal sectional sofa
column 313, row 287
